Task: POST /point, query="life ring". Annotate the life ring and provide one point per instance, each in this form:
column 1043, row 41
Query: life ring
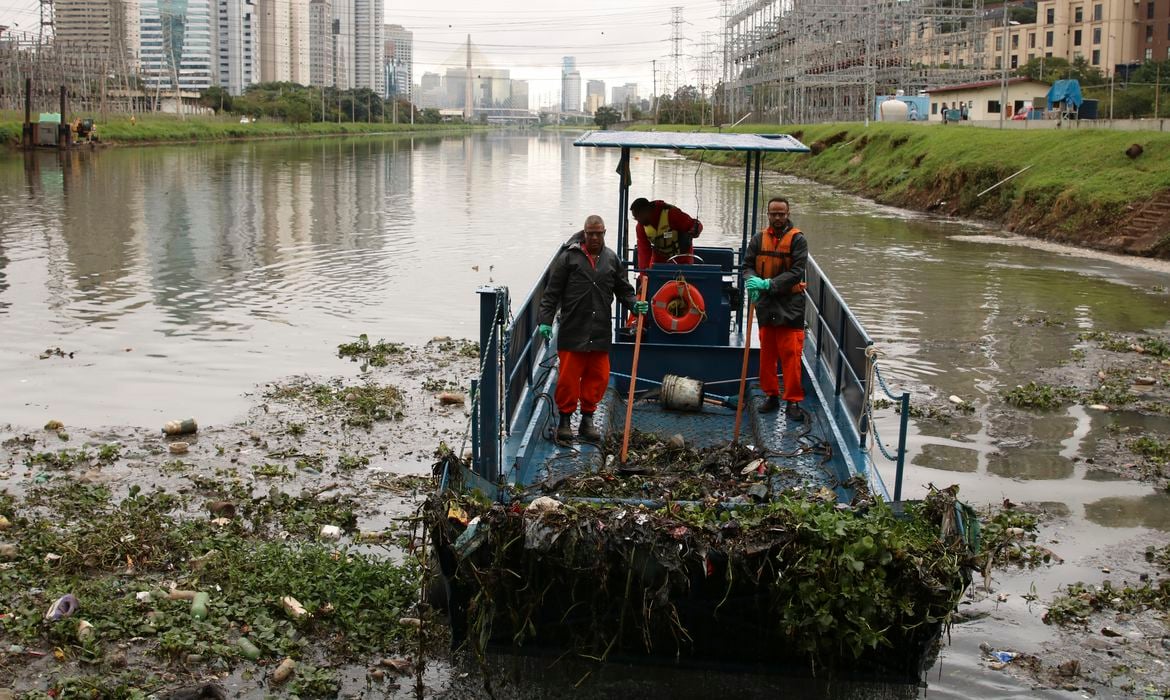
column 678, row 307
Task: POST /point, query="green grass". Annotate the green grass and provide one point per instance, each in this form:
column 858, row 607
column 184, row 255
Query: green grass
column 169, row 128
column 1079, row 179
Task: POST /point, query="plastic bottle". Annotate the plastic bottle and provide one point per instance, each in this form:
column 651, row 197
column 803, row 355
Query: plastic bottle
column 180, row 427
column 248, row 650
column 199, row 605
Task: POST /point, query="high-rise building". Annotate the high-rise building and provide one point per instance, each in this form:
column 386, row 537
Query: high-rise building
column 594, row 95
column 237, row 45
column 625, row 93
column 368, row 41
column 570, row 85
column 321, row 43
column 177, row 44
column 595, row 87
column 97, row 28
column 519, row 94
column 343, row 43
column 274, row 33
column 490, row 87
column 398, row 59
column 299, row 45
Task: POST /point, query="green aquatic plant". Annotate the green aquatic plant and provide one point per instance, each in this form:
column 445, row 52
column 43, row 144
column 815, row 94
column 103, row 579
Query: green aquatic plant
column 1040, row 396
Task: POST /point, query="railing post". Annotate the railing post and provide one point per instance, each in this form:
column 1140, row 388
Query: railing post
column 491, row 325
column 474, row 425
column 840, row 354
column 902, row 446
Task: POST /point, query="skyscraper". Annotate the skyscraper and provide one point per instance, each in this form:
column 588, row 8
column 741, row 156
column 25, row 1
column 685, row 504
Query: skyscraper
column 98, row 28
column 272, row 50
column 368, row 41
column 519, row 94
column 177, row 44
column 570, row 85
column 594, row 95
column 321, row 43
column 343, row 44
column 237, row 44
column 299, row 46
column 399, row 62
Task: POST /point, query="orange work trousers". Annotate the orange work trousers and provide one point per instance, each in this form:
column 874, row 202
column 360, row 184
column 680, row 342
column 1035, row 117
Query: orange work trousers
column 583, row 377
column 783, row 345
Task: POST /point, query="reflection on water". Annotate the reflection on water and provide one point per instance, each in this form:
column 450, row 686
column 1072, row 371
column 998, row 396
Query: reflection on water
column 1151, row 511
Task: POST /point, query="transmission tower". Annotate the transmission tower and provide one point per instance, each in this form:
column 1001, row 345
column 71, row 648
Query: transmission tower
column 46, row 19
column 676, row 40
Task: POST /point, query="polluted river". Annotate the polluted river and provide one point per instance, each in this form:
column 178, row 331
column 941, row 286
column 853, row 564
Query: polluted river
column 219, row 282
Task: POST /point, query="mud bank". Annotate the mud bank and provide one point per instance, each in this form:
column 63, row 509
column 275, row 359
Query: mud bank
column 1074, row 186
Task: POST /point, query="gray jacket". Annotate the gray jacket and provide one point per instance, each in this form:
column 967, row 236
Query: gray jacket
column 584, row 293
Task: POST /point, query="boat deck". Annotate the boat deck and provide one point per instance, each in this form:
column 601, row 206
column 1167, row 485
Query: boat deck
column 800, row 449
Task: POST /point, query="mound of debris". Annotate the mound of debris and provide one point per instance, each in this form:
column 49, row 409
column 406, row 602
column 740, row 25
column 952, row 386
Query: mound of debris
column 679, row 558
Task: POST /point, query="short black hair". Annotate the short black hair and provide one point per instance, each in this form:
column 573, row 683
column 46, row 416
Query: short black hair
column 780, row 199
column 639, row 204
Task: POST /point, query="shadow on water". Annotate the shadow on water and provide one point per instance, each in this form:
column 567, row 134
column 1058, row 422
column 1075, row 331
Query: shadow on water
column 534, row 678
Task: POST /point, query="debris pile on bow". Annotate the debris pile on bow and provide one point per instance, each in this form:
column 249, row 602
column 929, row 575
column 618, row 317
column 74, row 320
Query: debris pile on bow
column 713, row 552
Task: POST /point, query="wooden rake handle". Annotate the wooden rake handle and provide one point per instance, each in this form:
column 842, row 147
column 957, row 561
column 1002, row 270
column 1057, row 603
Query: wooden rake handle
column 641, row 318
column 747, row 346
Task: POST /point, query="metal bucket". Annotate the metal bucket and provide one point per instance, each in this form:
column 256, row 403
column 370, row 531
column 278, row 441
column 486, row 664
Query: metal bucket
column 682, row 393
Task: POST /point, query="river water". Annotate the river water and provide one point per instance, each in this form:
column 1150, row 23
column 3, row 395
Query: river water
column 181, row 277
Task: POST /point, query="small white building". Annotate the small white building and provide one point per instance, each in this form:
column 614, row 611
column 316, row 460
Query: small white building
column 982, row 99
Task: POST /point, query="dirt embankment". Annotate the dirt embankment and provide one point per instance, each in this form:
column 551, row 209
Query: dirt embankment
column 1080, row 186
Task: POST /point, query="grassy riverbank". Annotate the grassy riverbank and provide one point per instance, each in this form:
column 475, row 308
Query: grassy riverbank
column 1080, row 186
column 171, row 129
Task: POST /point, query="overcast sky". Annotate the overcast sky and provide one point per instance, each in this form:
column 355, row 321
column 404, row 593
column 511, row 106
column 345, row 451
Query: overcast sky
column 612, row 40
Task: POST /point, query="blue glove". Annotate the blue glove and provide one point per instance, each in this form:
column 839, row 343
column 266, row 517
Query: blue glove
column 546, row 331
column 641, row 307
column 758, row 285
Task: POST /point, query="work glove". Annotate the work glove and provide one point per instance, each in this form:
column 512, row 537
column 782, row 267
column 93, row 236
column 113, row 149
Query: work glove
column 753, row 296
column 641, row 307
column 758, row 285
column 546, row 331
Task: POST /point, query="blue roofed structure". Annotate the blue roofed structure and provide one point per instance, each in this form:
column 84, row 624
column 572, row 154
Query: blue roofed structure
column 1065, row 91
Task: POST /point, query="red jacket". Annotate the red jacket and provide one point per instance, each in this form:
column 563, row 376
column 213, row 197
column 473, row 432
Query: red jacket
column 681, row 223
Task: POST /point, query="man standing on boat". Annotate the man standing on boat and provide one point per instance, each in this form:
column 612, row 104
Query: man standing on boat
column 774, row 268
column 664, row 232
column 583, row 281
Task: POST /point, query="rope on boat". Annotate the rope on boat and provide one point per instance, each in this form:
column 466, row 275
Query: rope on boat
column 872, row 354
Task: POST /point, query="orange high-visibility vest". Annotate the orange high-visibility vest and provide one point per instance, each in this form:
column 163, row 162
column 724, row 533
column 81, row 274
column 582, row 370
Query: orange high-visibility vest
column 775, row 256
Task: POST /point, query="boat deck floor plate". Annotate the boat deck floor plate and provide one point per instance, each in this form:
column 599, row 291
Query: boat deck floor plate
column 791, row 445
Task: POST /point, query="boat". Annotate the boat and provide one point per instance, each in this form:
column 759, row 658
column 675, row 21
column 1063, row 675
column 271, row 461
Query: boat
column 715, row 558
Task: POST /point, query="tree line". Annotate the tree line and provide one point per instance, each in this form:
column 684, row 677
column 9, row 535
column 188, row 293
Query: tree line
column 301, row 104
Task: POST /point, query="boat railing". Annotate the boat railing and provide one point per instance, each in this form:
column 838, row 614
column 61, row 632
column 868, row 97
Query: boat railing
column 511, row 351
column 510, row 354
column 844, row 350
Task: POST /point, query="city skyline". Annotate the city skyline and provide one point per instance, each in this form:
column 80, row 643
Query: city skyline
column 614, row 42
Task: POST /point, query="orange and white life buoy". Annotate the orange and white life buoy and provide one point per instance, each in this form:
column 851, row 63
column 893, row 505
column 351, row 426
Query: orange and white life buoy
column 678, row 307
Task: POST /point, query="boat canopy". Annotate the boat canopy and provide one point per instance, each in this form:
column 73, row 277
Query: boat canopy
column 693, row 141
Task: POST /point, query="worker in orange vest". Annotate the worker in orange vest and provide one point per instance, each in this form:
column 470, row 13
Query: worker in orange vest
column 774, row 268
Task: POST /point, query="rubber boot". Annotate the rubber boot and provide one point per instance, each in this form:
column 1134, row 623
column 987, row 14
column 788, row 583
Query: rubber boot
column 769, row 405
column 794, row 412
column 588, row 431
column 565, row 428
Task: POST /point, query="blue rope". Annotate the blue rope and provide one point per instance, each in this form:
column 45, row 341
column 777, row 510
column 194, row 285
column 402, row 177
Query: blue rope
column 877, row 372
column 877, row 439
